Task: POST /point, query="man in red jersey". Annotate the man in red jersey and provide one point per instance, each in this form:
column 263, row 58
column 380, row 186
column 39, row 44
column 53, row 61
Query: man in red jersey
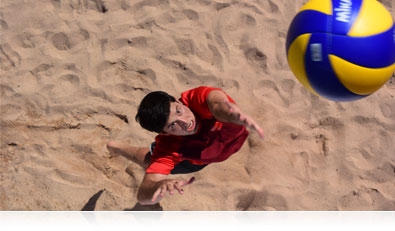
column 202, row 127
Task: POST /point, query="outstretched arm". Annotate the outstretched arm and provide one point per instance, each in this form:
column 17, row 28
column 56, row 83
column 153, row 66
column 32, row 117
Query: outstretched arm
column 225, row 111
column 155, row 186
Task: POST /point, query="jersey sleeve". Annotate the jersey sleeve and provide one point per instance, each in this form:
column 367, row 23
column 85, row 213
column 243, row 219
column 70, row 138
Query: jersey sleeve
column 164, row 159
column 196, row 100
column 161, row 165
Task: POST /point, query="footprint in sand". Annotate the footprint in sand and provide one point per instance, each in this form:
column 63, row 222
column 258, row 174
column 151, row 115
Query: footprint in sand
column 248, row 20
column 287, row 86
column 25, row 82
column 372, row 121
column 191, row 14
column 331, row 122
column 27, row 40
column 185, row 75
column 256, row 58
column 6, row 91
column 63, row 86
column 8, row 57
column 138, row 42
column 101, row 7
column 3, row 24
column 221, row 6
column 381, row 174
column 41, row 72
column 186, row 46
column 81, row 5
column 269, row 89
column 388, row 110
column 322, row 140
column 273, row 7
column 61, row 41
column 217, row 59
column 365, row 199
column 69, row 82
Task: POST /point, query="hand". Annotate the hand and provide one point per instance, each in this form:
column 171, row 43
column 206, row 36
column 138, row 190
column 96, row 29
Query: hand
column 243, row 118
column 170, row 186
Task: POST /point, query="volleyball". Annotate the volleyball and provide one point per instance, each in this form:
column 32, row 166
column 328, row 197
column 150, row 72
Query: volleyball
column 342, row 50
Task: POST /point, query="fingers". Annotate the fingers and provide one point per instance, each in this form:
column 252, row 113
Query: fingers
column 178, row 187
column 247, row 121
column 259, row 131
column 252, row 124
column 244, row 119
column 156, row 195
column 190, row 181
column 171, row 186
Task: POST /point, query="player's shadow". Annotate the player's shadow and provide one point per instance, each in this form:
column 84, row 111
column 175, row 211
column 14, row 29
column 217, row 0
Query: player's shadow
column 91, row 204
column 139, row 207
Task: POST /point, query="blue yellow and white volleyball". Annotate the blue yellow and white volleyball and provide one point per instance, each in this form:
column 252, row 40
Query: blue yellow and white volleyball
column 342, row 50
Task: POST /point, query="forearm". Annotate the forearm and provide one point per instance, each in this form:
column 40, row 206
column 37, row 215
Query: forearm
column 148, row 187
column 221, row 108
column 226, row 111
column 145, row 194
column 223, row 112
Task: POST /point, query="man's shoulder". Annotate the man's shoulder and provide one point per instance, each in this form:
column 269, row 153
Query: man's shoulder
column 201, row 90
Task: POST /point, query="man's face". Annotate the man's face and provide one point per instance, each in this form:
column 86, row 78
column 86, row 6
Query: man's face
column 181, row 122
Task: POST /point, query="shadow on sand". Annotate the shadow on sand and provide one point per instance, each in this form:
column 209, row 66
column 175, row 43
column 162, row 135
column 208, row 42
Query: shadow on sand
column 91, row 204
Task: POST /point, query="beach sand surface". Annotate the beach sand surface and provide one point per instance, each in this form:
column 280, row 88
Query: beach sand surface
column 74, row 71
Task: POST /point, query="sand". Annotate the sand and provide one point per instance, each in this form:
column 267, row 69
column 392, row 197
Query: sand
column 74, row 71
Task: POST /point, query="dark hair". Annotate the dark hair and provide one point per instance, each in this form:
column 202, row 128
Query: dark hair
column 154, row 111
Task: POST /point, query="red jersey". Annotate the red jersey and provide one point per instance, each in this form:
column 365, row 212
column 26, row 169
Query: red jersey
column 214, row 142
